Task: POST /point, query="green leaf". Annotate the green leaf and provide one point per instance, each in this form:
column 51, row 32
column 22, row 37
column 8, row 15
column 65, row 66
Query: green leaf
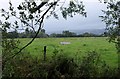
column 64, row 14
column 16, row 23
column 3, row 15
column 19, row 7
column 55, row 15
column 11, row 8
column 21, row 12
column 2, row 10
column 32, row 10
column 13, row 13
column 17, row 26
column 7, row 18
column 34, row 4
column 31, row 16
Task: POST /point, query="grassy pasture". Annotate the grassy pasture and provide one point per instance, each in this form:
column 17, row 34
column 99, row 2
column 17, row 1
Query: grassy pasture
column 77, row 48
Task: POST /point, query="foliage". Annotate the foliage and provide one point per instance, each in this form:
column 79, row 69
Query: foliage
column 30, row 34
column 27, row 34
column 112, row 20
column 93, row 66
column 13, row 34
column 67, row 33
column 60, row 66
column 86, row 34
column 73, row 9
column 9, row 46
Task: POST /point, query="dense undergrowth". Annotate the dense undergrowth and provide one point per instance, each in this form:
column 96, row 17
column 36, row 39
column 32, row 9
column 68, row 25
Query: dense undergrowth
column 61, row 66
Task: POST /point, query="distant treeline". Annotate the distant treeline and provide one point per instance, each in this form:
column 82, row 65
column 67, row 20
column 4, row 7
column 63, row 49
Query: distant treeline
column 30, row 34
column 72, row 34
column 27, row 34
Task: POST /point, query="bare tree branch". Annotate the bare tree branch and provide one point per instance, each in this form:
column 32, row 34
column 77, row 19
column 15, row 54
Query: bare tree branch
column 48, row 10
column 40, row 6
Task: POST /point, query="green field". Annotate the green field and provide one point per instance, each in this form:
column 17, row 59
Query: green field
column 77, row 48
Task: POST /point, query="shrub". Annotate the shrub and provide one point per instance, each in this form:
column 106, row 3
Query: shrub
column 93, row 66
column 62, row 66
column 59, row 67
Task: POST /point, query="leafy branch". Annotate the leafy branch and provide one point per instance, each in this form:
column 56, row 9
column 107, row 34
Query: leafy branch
column 41, row 21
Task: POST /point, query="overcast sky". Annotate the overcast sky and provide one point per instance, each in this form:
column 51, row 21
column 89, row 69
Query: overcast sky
column 78, row 22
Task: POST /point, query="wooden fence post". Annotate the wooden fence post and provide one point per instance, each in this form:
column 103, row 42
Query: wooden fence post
column 45, row 53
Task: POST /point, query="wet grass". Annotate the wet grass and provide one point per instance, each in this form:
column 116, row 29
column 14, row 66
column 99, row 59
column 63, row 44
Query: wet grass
column 77, row 48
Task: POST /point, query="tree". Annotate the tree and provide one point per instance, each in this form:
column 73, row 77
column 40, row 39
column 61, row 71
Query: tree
column 112, row 20
column 43, row 31
column 27, row 31
column 42, row 34
column 31, row 13
column 86, row 34
column 13, row 34
column 53, row 35
column 68, row 33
